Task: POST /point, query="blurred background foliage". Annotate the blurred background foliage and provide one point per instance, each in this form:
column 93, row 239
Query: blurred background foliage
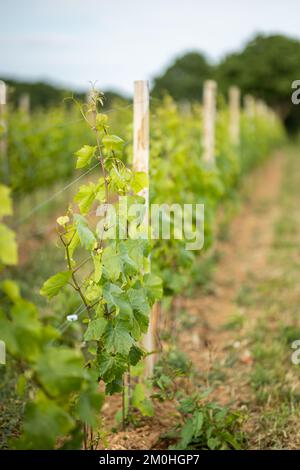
column 265, row 67
column 45, row 95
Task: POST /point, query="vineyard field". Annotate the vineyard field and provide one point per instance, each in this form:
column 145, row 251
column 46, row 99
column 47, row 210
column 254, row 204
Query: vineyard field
column 106, row 285
column 149, row 232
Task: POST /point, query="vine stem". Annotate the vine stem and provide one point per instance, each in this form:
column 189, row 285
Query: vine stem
column 123, row 405
column 85, row 444
column 129, row 390
column 76, row 285
column 101, row 158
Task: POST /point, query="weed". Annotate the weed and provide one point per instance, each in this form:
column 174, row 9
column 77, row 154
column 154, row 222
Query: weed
column 236, row 322
column 208, row 426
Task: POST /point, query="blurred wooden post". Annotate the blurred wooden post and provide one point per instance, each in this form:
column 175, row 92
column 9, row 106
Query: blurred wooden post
column 89, row 96
column 141, row 163
column 234, row 114
column 3, row 131
column 261, row 108
column 209, row 117
column 24, row 103
column 185, row 108
column 141, row 135
column 249, row 105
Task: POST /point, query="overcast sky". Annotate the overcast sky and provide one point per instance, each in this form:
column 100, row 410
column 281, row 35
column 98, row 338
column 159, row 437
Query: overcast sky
column 72, row 42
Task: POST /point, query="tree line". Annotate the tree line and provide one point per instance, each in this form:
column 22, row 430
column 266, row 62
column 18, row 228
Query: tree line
column 265, row 67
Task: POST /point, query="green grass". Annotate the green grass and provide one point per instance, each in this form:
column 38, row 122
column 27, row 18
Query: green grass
column 11, row 405
column 235, row 322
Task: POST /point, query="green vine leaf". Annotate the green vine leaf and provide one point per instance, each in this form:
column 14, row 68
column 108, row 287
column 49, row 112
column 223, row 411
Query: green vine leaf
column 154, row 287
column 85, row 155
column 86, row 236
column 44, row 422
column 135, row 355
column 6, row 202
column 85, row 197
column 111, row 367
column 11, row 289
column 93, row 292
column 95, row 329
column 113, row 143
column 138, row 301
column 112, row 263
column 74, row 242
column 60, row 370
column 139, row 181
column 141, row 402
column 112, row 295
column 8, row 246
column 55, row 283
column 101, row 121
column 89, row 405
column 118, row 339
column 98, row 268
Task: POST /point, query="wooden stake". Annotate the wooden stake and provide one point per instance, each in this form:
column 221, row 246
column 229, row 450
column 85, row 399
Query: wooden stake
column 141, row 133
column 3, row 130
column 209, row 117
column 24, row 103
column 141, row 163
column 234, row 114
column 249, row 105
column 185, row 107
column 89, row 96
column 261, row 108
column 2, row 94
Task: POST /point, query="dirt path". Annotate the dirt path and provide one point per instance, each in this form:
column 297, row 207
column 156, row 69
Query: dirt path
column 244, row 254
column 243, row 333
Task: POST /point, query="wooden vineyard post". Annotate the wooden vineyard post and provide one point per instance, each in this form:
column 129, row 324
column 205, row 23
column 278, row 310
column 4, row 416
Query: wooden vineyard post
column 141, row 163
column 89, row 96
column 261, row 108
column 3, row 131
column 234, row 114
column 209, row 117
column 24, row 104
column 249, row 105
column 185, row 108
